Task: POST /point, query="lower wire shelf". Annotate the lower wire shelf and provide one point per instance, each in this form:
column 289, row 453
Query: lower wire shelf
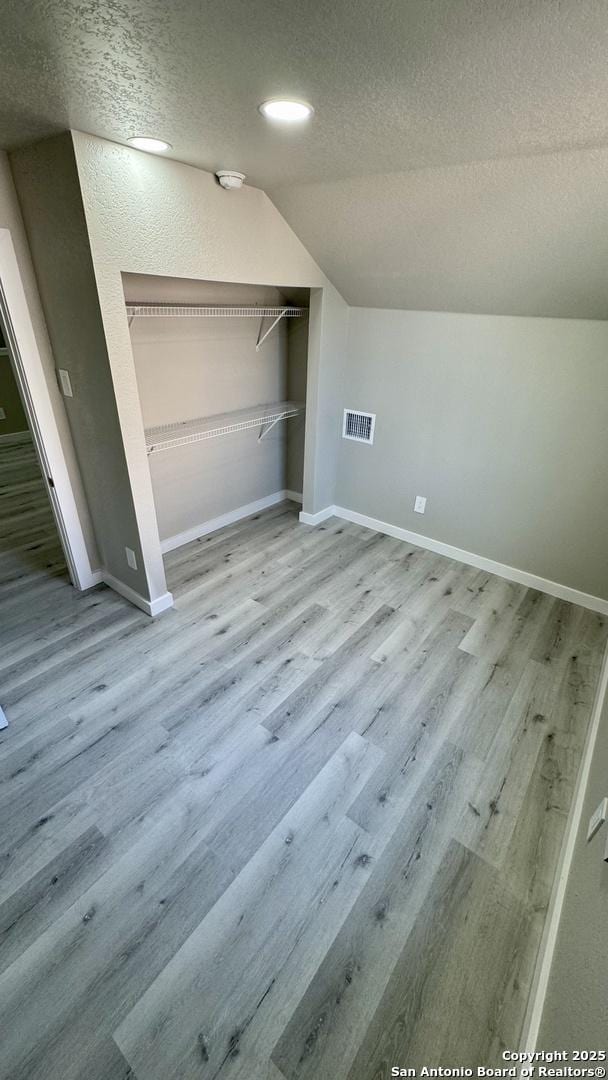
column 182, row 433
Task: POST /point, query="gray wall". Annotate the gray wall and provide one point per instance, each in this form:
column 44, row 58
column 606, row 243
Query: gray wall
column 200, row 367
column 328, row 327
column 297, row 368
column 10, row 400
column 501, row 422
column 575, row 1013
column 47, row 185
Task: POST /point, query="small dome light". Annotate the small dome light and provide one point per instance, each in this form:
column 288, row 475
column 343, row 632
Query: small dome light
column 288, row 111
column 151, row 146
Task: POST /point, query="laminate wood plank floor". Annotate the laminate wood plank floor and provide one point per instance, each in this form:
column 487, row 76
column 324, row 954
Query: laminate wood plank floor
column 304, row 825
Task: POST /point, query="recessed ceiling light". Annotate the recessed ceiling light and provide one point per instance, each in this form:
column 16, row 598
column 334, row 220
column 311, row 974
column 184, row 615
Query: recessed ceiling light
column 290, row 111
column 152, row 146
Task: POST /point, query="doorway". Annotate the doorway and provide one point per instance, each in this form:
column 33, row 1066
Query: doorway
column 30, row 546
column 22, row 354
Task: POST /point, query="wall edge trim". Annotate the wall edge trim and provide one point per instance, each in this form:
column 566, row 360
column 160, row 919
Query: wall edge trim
column 42, row 421
column 316, row 519
column 151, row 607
column 90, row 581
column 544, row 961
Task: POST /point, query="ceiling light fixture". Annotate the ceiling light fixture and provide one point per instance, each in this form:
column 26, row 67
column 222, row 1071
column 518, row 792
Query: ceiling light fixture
column 151, row 146
column 288, row 111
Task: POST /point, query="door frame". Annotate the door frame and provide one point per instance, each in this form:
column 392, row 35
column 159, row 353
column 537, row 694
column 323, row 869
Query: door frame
column 31, row 380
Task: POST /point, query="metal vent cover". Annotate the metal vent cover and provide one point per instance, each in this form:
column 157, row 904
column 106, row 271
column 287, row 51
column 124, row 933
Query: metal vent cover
column 358, row 425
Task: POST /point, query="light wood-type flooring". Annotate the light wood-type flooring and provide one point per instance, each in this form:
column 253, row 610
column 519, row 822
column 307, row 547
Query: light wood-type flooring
column 302, row 827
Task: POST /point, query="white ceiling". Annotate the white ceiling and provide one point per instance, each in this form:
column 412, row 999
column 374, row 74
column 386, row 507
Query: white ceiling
column 455, row 160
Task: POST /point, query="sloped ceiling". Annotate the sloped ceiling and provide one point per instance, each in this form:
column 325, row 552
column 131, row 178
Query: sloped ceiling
column 457, row 159
column 516, row 236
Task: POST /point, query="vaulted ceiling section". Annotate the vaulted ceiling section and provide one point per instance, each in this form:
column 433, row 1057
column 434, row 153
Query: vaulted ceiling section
column 458, row 155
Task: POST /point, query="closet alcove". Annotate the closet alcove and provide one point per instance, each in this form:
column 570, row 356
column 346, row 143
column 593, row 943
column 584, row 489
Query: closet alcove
column 221, row 372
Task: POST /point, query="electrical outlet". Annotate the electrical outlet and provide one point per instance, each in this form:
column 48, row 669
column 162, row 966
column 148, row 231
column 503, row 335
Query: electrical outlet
column 2, row 414
column 131, row 560
column 420, row 504
column 64, row 382
column 597, row 819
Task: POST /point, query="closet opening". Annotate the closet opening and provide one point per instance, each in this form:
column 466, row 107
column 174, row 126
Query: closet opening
column 221, row 371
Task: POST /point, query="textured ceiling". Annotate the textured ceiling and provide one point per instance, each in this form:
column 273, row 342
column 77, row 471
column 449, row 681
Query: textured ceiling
column 517, row 236
column 438, row 171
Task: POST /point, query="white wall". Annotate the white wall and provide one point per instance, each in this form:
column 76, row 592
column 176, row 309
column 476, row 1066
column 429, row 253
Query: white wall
column 501, row 422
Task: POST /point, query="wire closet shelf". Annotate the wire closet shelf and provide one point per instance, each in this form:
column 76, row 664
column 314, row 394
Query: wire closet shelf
column 206, row 311
column 145, row 310
column 182, row 433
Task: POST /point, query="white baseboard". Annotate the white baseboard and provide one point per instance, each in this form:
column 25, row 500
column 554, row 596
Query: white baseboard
column 294, row 496
column 90, row 580
column 16, row 437
column 151, row 607
column 544, row 961
column 316, row 519
column 213, row 524
column 162, row 603
column 3, row 720
column 511, row 573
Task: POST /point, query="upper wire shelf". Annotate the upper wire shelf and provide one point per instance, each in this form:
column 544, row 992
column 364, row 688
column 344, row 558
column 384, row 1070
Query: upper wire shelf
column 184, row 432
column 206, row 311
column 217, row 311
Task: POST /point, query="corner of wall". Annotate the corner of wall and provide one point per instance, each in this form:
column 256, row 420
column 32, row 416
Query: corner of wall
column 51, row 198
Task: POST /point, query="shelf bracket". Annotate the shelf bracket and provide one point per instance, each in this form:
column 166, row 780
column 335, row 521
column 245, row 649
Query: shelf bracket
column 268, row 427
column 262, row 337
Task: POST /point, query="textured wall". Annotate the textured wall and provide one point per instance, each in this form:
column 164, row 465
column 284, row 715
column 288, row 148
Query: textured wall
column 155, row 216
column 575, row 1013
column 47, row 182
column 11, row 219
column 501, row 422
column 9, row 400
